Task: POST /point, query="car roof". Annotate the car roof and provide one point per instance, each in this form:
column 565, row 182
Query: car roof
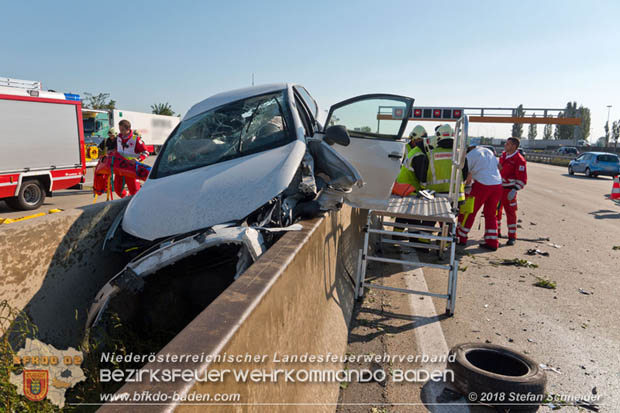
column 601, row 153
column 233, row 95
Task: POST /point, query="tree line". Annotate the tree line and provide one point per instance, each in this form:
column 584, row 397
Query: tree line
column 579, row 132
column 102, row 101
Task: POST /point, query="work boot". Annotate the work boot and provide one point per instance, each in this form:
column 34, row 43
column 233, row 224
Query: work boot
column 486, row 246
column 511, row 242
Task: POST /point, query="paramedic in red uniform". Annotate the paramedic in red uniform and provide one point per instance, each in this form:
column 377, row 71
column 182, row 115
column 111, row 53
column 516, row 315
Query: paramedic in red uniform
column 129, row 146
column 486, row 192
column 514, row 177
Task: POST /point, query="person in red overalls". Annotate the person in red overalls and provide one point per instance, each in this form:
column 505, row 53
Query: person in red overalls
column 129, row 146
column 514, row 177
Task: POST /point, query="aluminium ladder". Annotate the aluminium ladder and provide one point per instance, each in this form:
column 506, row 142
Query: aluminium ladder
column 442, row 209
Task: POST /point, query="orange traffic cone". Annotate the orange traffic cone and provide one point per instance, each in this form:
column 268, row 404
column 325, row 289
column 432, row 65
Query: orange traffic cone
column 615, row 189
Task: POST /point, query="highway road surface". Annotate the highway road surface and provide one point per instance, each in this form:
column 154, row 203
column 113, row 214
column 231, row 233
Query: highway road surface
column 66, row 199
column 573, row 328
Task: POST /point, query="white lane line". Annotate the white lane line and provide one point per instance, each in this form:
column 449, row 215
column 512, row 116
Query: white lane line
column 430, row 339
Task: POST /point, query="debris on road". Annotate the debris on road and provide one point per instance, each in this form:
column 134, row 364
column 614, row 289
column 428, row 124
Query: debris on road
column 544, row 283
column 553, row 369
column 584, row 292
column 551, row 244
column 532, row 223
column 518, row 263
column 616, row 248
column 536, row 251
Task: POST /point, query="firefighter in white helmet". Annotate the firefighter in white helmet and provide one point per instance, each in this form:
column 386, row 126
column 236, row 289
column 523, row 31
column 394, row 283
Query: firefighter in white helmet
column 440, row 162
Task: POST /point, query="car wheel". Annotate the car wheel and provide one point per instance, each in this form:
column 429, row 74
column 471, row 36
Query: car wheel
column 31, row 196
column 570, row 170
column 483, row 369
column 588, row 172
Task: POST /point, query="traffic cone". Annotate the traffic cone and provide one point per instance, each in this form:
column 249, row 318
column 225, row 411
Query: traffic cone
column 615, row 189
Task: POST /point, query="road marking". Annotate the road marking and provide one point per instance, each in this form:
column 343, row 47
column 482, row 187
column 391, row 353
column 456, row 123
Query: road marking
column 430, row 339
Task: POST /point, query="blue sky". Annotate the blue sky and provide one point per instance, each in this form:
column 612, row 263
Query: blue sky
column 451, row 53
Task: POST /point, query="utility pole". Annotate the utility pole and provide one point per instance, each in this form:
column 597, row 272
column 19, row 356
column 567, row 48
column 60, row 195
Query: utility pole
column 252, row 78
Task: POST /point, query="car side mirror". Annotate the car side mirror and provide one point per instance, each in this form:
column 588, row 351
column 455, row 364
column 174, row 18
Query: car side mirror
column 337, row 134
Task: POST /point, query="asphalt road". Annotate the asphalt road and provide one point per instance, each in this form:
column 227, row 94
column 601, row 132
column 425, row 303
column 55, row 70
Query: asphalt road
column 574, row 331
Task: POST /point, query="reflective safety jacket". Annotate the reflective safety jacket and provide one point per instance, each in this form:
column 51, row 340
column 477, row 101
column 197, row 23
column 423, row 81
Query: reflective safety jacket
column 408, row 173
column 514, row 170
column 131, row 147
column 440, row 169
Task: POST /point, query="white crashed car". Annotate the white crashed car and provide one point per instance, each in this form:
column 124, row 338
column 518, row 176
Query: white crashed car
column 242, row 167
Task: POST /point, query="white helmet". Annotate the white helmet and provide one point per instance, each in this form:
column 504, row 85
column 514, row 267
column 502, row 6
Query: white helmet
column 418, row 132
column 430, row 141
column 444, row 131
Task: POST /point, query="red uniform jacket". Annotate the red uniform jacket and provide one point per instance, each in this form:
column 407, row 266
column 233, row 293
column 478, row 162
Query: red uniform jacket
column 514, row 170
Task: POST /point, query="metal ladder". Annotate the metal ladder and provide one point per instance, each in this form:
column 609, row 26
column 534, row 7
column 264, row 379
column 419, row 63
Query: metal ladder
column 441, row 209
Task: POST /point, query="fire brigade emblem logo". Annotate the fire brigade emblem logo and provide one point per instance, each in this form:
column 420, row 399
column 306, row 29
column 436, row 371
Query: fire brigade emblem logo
column 36, row 384
column 397, row 113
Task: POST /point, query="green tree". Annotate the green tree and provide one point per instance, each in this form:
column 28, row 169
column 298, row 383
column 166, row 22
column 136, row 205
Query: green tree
column 615, row 132
column 607, row 134
column 162, row 109
column 101, row 101
column 567, row 131
column 517, row 128
column 548, row 132
column 532, row 131
column 584, row 114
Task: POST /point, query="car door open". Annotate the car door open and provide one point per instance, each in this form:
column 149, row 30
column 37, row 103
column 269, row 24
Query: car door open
column 375, row 124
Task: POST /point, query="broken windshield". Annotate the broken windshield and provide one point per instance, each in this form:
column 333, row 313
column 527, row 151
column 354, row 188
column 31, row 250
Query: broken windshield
column 227, row 132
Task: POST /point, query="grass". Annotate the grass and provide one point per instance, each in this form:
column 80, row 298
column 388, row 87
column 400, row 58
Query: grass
column 544, row 283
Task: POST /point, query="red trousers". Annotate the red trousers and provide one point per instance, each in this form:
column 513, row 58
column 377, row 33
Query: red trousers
column 486, row 197
column 119, row 183
column 511, row 213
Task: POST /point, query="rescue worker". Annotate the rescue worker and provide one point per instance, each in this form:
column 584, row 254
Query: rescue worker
column 108, row 144
column 413, row 170
column 416, row 134
column 129, row 146
column 486, row 192
column 513, row 169
column 440, row 163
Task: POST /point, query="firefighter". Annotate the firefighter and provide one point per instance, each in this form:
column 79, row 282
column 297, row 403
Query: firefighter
column 514, row 177
column 129, row 146
column 416, row 134
column 486, row 192
column 108, row 144
column 413, row 170
column 440, row 163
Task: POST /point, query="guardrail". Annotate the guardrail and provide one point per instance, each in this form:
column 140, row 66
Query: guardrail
column 549, row 158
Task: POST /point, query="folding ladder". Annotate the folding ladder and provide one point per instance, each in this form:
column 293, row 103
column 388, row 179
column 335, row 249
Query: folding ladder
column 442, row 209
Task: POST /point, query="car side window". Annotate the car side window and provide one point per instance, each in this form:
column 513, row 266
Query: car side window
column 305, row 118
column 308, row 100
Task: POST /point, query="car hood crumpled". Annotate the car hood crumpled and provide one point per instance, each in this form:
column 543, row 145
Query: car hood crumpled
column 211, row 195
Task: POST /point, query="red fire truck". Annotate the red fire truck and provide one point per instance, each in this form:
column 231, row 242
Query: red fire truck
column 41, row 143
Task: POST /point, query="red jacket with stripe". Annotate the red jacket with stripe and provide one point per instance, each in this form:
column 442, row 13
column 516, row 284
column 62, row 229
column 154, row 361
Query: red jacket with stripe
column 514, row 170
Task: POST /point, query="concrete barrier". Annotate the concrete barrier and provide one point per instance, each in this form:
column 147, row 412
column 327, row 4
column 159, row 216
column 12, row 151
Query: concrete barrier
column 52, row 266
column 296, row 299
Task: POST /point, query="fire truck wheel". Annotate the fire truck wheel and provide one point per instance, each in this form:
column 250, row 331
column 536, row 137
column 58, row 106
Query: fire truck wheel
column 31, row 196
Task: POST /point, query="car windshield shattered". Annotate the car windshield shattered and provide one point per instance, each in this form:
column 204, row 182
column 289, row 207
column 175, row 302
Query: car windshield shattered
column 227, row 132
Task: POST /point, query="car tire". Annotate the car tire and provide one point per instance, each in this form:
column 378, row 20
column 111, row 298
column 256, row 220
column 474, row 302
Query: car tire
column 481, row 370
column 588, row 173
column 570, row 170
column 31, row 196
